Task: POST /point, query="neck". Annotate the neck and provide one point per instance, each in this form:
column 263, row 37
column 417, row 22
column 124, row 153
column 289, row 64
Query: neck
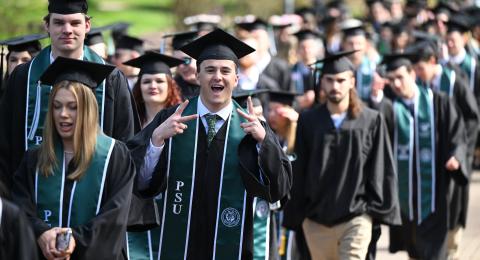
column 214, row 108
column 67, row 145
column 338, row 108
column 74, row 54
column 151, row 110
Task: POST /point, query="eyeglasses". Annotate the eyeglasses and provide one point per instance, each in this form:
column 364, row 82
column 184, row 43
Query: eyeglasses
column 187, row 61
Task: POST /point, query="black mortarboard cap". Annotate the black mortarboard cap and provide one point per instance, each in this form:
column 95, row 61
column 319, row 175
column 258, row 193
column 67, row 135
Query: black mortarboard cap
column 67, row 6
column 281, row 26
column 354, row 31
column 181, row 39
column 256, row 24
column 95, row 36
column 458, row 23
column 241, row 96
column 30, row 43
column 446, row 7
column 305, row 10
column 203, row 22
column 335, row 63
column 129, row 43
column 153, row 62
column 306, row 34
column 88, row 73
column 283, row 97
column 394, row 61
column 217, row 45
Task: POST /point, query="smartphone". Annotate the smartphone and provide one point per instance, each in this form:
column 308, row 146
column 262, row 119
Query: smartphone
column 63, row 240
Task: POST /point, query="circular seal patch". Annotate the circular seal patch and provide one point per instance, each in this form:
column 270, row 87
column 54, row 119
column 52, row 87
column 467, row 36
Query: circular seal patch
column 425, row 155
column 230, row 217
column 262, row 209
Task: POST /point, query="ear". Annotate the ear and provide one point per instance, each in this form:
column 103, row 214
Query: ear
column 88, row 25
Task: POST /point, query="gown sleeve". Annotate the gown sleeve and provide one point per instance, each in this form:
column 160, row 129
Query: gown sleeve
column 105, row 233
column 381, row 178
column 295, row 209
column 266, row 173
column 455, row 136
column 124, row 121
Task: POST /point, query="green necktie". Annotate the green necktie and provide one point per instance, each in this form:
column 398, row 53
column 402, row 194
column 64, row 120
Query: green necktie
column 211, row 121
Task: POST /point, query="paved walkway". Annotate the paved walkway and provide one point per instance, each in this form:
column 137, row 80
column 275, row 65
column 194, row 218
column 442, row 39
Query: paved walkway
column 470, row 246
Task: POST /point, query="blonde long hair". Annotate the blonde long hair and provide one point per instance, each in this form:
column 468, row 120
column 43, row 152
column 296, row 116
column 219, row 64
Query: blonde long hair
column 84, row 135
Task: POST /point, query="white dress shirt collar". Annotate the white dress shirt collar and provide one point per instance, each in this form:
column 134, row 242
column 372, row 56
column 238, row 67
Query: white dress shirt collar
column 224, row 113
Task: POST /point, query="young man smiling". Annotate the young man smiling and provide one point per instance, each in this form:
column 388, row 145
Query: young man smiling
column 210, row 158
column 23, row 110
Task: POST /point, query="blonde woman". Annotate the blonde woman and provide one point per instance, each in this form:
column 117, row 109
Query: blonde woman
column 78, row 180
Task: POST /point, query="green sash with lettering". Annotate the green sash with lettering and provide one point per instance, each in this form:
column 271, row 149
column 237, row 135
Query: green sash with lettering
column 178, row 196
column 364, row 79
column 469, row 66
column 86, row 194
column 261, row 229
column 420, row 127
column 38, row 95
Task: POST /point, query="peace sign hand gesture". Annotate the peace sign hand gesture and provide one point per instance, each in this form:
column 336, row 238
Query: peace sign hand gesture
column 253, row 126
column 172, row 126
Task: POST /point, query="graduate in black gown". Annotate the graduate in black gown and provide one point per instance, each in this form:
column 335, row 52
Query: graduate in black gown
column 344, row 171
column 20, row 50
column 23, row 111
column 429, row 145
column 210, row 159
column 78, row 179
column 449, row 79
column 16, row 234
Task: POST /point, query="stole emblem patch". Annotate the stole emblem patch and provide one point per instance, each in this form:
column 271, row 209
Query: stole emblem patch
column 262, row 209
column 230, row 217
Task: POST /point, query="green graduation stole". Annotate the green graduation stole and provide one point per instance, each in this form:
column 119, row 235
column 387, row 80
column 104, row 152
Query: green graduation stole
column 178, row 196
column 261, row 229
column 469, row 65
column 420, row 127
column 38, row 95
column 364, row 79
column 86, row 194
column 447, row 81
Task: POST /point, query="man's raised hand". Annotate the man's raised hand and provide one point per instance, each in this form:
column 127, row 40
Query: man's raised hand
column 172, row 126
column 253, row 126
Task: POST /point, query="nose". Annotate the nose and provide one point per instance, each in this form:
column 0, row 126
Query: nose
column 66, row 28
column 64, row 112
column 217, row 76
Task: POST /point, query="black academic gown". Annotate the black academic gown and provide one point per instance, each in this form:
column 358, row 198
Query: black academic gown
column 16, row 235
column 272, row 160
column 344, row 173
column 384, row 107
column 103, row 237
column 118, row 121
column 279, row 70
column 429, row 239
column 187, row 89
column 467, row 107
